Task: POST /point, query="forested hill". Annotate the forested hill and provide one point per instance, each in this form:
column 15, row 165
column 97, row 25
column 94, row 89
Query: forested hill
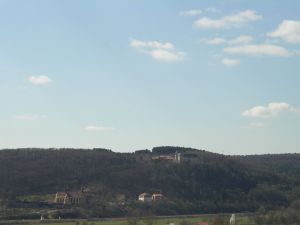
column 288, row 164
column 201, row 182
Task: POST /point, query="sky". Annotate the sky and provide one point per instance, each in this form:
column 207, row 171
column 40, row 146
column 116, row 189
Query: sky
column 133, row 74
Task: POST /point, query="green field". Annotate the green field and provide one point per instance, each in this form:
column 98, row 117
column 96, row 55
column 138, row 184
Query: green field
column 124, row 222
column 241, row 219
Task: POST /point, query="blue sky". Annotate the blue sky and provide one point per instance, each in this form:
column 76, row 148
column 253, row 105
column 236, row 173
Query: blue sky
column 133, row 74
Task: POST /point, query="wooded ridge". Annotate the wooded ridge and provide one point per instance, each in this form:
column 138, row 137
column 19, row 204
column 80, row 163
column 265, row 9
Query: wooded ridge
column 201, row 182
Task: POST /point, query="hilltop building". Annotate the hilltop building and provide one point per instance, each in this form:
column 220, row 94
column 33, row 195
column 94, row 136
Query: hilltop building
column 176, row 158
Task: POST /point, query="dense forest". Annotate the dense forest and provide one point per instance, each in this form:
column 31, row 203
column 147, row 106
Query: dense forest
column 203, row 182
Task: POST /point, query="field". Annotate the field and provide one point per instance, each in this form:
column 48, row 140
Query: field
column 241, row 219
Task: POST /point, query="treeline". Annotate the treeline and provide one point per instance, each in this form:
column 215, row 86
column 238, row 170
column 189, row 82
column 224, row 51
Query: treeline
column 203, row 182
column 282, row 216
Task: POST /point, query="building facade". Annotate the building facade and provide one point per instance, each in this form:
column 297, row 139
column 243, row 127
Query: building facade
column 145, row 197
column 69, row 198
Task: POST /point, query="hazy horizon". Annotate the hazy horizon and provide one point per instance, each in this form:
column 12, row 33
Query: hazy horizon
column 222, row 76
column 134, row 150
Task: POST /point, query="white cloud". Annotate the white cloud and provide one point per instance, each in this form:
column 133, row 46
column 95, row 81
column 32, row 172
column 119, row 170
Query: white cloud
column 256, row 50
column 243, row 39
column 39, row 80
column 288, row 30
column 30, row 117
column 215, row 41
column 167, row 56
column 295, row 110
column 151, row 44
column 235, row 20
column 230, row 62
column 164, row 52
column 192, row 12
column 98, row 128
column 271, row 110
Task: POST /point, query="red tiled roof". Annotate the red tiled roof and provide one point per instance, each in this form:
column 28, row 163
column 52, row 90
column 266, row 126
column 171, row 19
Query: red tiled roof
column 157, row 194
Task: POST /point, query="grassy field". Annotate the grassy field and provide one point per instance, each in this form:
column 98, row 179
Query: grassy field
column 241, row 219
column 124, row 222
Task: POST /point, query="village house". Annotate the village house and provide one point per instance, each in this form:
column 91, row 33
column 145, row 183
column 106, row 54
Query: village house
column 70, row 198
column 145, row 197
column 148, row 198
column 157, row 197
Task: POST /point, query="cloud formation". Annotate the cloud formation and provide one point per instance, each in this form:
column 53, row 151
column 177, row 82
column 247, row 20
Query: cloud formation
column 231, row 21
column 164, row 52
column 215, row 41
column 288, row 30
column 271, row 110
column 259, row 50
column 230, row 62
column 39, row 80
column 240, row 40
column 192, row 12
column 30, row 117
column 151, row 44
column 98, row 128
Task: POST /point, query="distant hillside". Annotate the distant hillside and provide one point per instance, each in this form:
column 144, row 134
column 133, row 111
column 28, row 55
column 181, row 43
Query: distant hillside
column 202, row 182
column 288, row 164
